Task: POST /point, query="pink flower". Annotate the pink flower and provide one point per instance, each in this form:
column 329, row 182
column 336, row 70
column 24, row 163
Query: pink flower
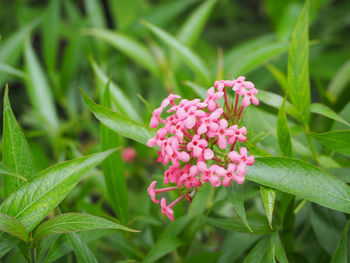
column 209, row 124
column 196, row 131
column 249, row 96
column 166, row 210
column 128, row 154
column 237, row 134
column 221, row 134
column 242, row 160
column 212, row 97
column 152, row 193
column 155, row 117
column 157, row 140
column 238, row 85
column 169, row 100
column 198, row 148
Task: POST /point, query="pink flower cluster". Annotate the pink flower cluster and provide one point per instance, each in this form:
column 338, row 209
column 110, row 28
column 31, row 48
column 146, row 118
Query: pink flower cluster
column 198, row 139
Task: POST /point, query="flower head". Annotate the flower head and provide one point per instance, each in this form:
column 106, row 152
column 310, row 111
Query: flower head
column 198, row 140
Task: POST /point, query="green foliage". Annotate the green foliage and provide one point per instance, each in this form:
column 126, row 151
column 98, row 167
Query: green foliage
column 69, row 196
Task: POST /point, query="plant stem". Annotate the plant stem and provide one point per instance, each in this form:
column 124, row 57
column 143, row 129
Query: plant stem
column 312, row 148
column 33, row 255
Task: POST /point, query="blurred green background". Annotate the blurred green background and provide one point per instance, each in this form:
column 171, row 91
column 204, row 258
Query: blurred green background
column 50, row 48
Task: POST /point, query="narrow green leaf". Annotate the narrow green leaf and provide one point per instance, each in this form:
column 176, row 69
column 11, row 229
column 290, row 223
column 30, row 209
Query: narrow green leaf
column 301, row 179
column 280, row 254
column 298, row 65
column 63, row 245
column 236, row 244
column 33, row 200
column 341, row 253
column 187, row 55
column 7, row 242
column 283, row 135
column 127, row 45
column 39, row 89
column 113, row 168
column 122, row 103
column 338, row 141
column 51, row 33
column 5, row 171
column 280, row 76
column 16, row 152
column 119, row 123
column 11, row 47
column 13, row 227
column 75, row 222
column 81, row 250
column 268, row 197
column 339, row 82
column 257, row 223
column 256, row 58
column 327, row 225
column 193, row 26
column 9, row 70
column 259, row 252
column 204, row 257
column 235, row 195
column 327, row 112
column 162, row 248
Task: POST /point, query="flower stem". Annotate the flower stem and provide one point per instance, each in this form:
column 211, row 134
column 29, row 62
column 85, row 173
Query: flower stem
column 226, row 101
column 176, row 201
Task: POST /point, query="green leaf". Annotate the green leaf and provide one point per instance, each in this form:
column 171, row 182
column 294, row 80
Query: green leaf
column 268, row 197
column 204, row 257
column 298, row 65
column 127, row 45
column 81, row 250
column 257, row 223
column 13, row 226
column 327, row 226
column 33, row 200
column 113, row 168
column 276, row 243
column 9, row 70
column 162, row 248
column 301, row 179
column 51, row 33
column 338, row 141
column 339, row 82
column 192, row 60
column 122, row 103
column 118, row 122
column 7, row 242
column 259, row 252
column 74, row 222
column 283, row 135
column 279, row 76
column 340, row 254
column 235, row 195
column 235, row 244
column 39, row 89
column 63, row 246
column 11, row 47
column 16, row 152
column 256, row 58
column 193, row 26
column 274, row 100
column 327, row 112
column 5, row 171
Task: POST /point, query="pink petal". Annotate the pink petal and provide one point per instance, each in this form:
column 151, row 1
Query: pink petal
column 234, row 156
column 208, row 154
